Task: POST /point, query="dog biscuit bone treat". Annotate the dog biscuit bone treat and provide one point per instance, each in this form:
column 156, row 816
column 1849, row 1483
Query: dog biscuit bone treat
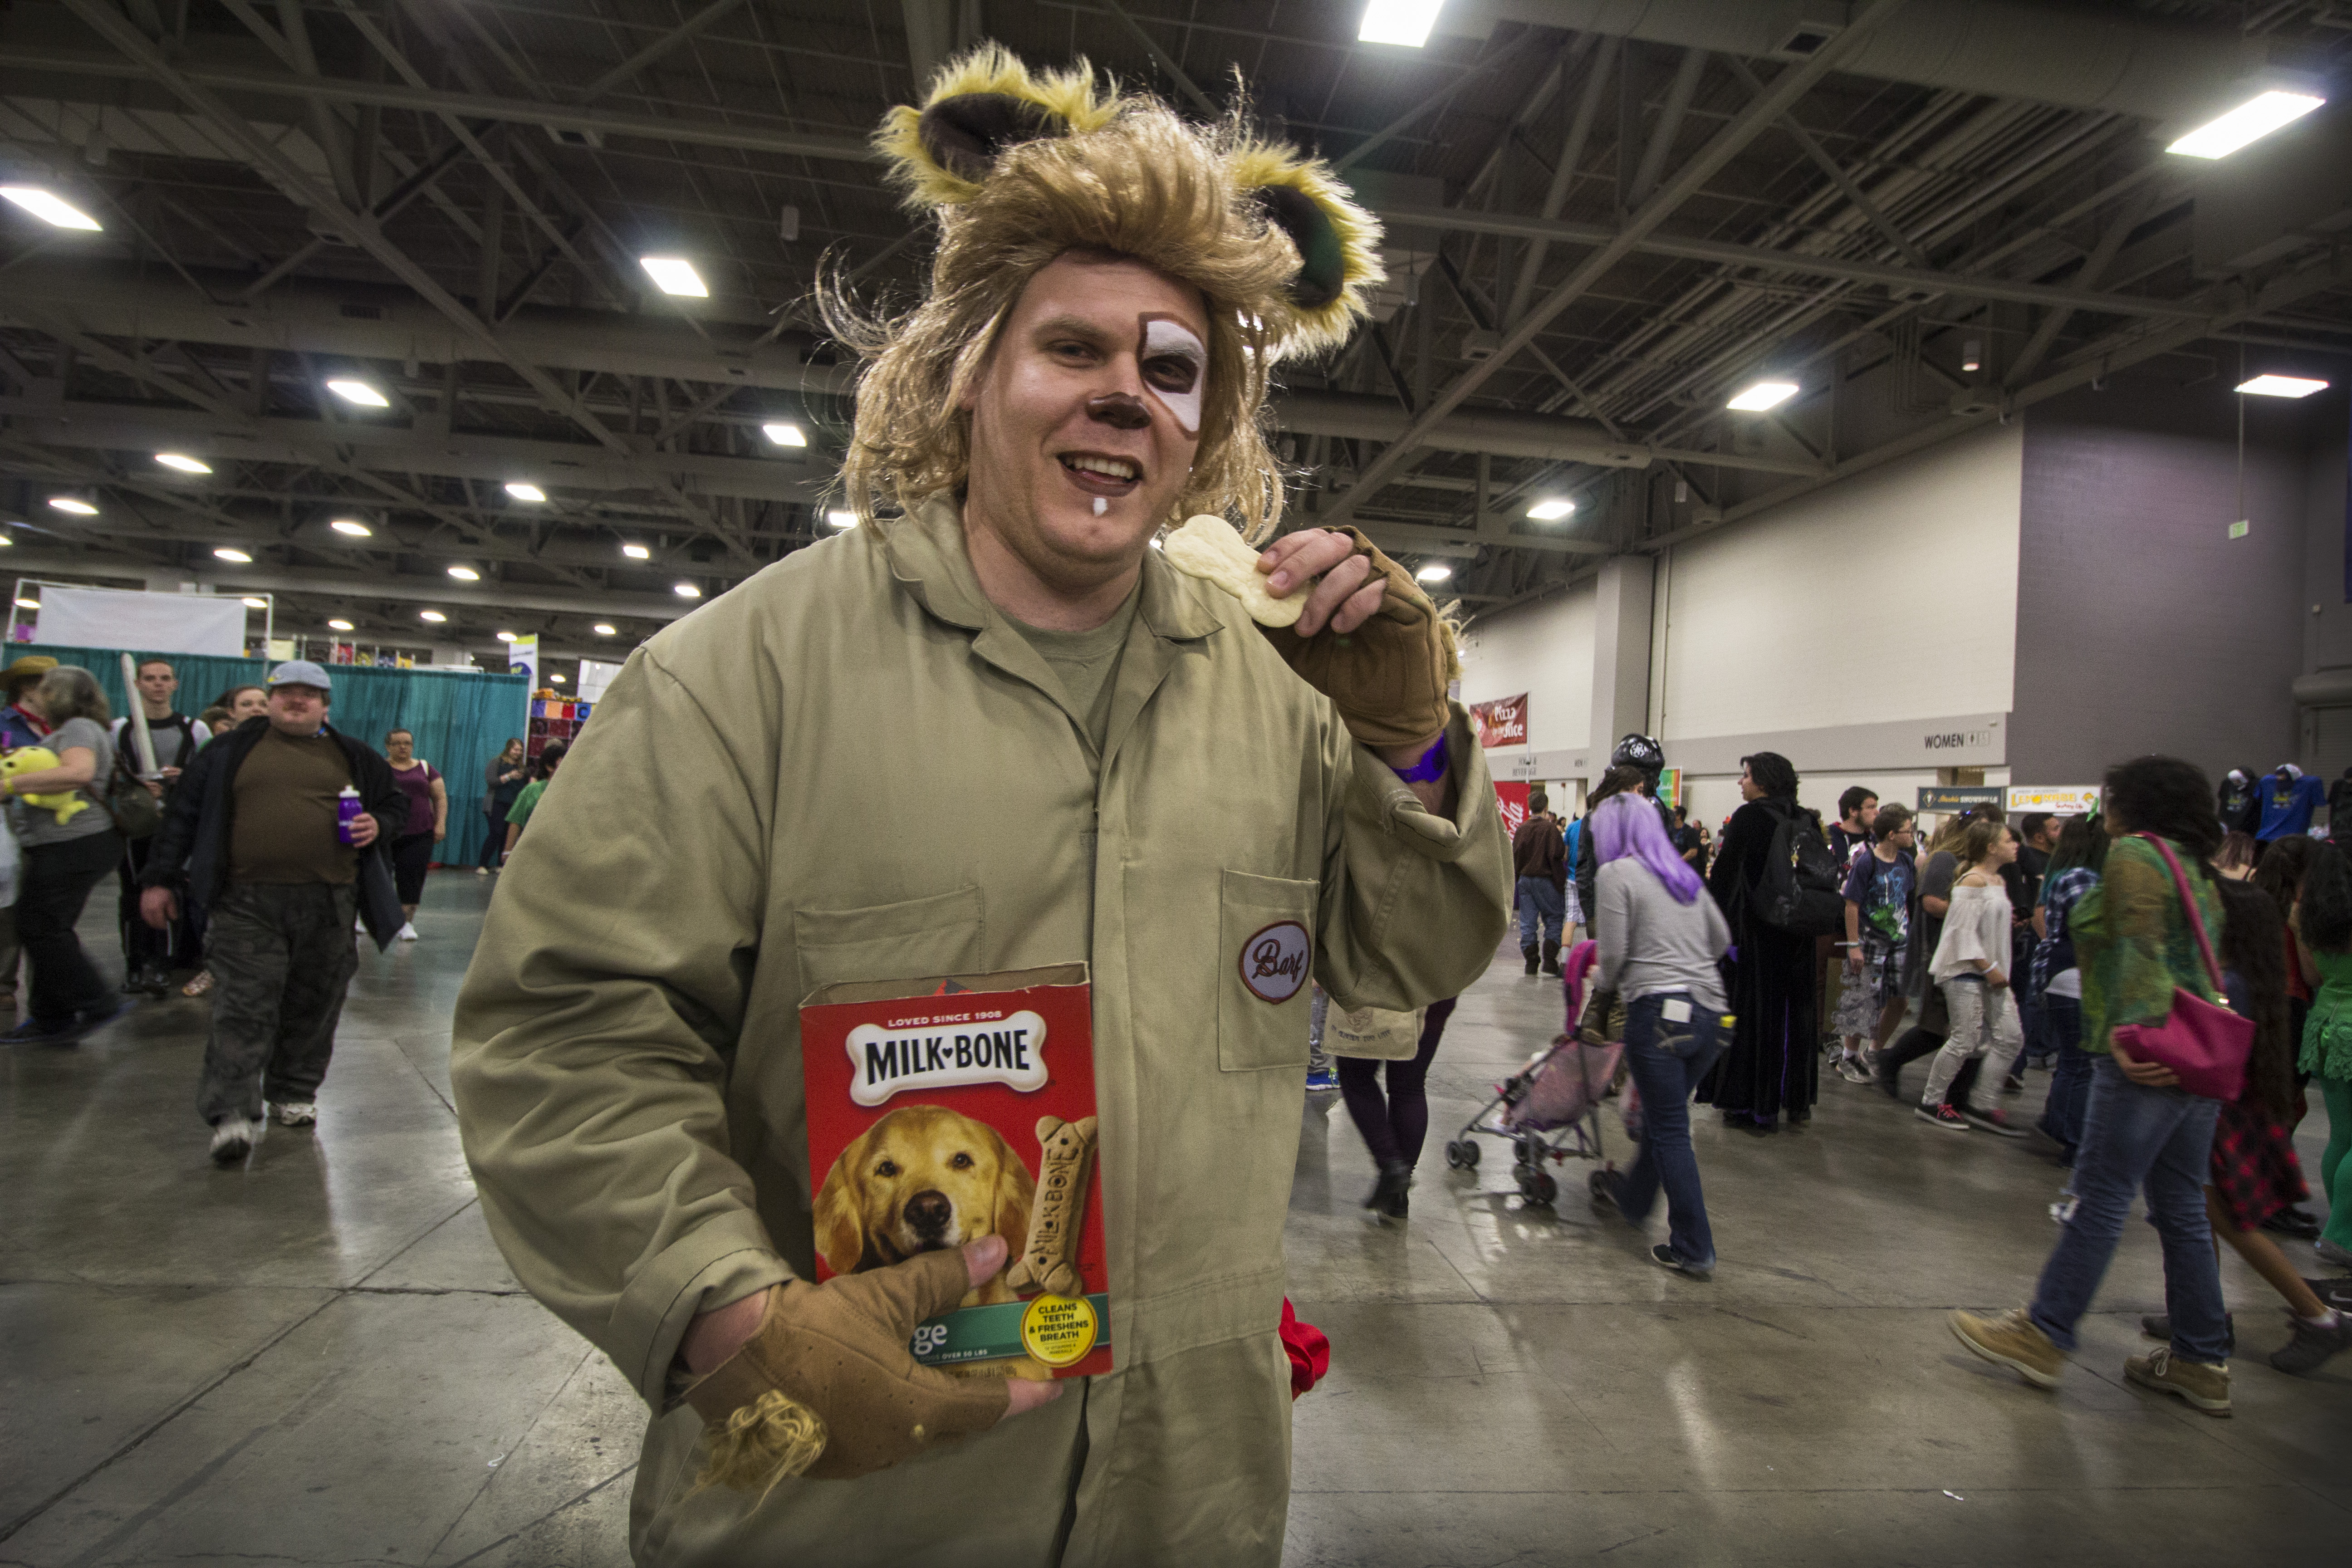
column 1208, row 547
column 1066, row 1151
column 827, row 1388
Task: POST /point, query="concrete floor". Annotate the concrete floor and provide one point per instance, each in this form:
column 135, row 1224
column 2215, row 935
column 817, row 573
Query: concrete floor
column 321, row 1359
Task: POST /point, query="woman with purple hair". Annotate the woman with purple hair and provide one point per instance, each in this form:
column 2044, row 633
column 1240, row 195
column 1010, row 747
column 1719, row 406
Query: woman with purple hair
column 1660, row 937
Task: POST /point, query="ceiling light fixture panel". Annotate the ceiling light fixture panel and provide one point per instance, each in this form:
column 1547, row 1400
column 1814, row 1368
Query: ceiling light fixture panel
column 602, row 630
column 675, row 275
column 1405, row 23
column 339, row 625
column 50, row 208
column 435, row 616
column 74, row 504
column 685, row 590
column 1762, row 396
column 354, row 391
column 1435, row 571
column 637, row 552
column 180, row 462
column 350, row 526
column 1551, row 511
column 230, row 553
column 785, row 433
column 2250, row 122
column 2282, row 386
column 522, row 491
column 841, row 519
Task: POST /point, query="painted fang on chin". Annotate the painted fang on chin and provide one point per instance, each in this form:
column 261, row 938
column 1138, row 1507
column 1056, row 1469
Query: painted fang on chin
column 1165, row 338
column 1101, row 506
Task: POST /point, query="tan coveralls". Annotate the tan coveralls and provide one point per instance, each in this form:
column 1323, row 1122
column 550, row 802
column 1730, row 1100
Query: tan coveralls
column 851, row 768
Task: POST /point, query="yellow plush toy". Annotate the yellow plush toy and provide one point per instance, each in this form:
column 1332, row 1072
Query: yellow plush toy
column 40, row 760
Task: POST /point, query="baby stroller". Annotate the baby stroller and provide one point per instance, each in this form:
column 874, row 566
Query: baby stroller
column 1550, row 1109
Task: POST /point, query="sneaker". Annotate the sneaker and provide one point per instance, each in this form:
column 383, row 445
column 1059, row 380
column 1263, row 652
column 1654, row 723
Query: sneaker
column 33, row 1032
column 297, row 1112
column 359, row 928
column 407, row 932
column 1666, row 1256
column 1853, row 1071
column 2206, row 1388
column 1993, row 1121
column 2334, row 1293
column 1942, row 1116
column 1602, row 1187
column 481, row 870
column 1322, row 1082
column 2333, row 1253
column 232, row 1139
column 2294, row 1222
column 2313, row 1344
column 2013, row 1085
column 2013, row 1340
column 2158, row 1326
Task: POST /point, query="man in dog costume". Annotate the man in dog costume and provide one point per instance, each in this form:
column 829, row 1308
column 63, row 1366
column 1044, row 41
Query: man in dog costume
column 1143, row 779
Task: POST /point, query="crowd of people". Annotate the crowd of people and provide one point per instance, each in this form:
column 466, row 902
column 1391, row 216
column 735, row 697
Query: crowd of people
column 244, row 873
column 1994, row 948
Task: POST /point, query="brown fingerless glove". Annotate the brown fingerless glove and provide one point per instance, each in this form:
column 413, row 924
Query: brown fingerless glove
column 1388, row 676
column 827, row 1388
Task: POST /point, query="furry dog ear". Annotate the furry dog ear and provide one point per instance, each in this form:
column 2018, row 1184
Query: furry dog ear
column 838, row 1220
column 1016, row 1191
column 976, row 108
column 1338, row 243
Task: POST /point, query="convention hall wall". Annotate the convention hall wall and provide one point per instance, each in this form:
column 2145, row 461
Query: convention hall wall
column 2141, row 624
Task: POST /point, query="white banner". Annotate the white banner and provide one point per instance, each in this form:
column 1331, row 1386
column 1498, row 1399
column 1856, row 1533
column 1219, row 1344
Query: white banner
column 595, row 675
column 522, row 658
column 145, row 622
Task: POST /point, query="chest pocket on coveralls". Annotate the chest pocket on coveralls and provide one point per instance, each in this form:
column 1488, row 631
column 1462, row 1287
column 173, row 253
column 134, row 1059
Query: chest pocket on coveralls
column 914, row 940
column 1264, row 950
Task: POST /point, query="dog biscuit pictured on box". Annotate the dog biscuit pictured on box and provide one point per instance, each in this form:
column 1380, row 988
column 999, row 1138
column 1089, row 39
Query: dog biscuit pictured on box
column 1049, row 1260
column 1208, row 547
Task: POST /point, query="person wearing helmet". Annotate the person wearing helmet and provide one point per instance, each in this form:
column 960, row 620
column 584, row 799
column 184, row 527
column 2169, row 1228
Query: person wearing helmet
column 1639, row 754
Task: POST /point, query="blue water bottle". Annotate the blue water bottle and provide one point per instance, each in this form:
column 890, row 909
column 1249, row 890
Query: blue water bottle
column 346, row 808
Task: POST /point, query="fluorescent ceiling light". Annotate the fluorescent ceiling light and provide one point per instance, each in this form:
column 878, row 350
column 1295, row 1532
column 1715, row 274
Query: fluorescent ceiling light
column 557, row 678
column 339, row 625
column 675, row 275
column 685, row 591
column 1551, row 511
column 254, row 603
column 504, row 636
column 785, row 433
column 73, row 504
column 49, row 209
column 1435, row 571
column 28, row 603
column 2282, row 386
column 1405, row 22
column 637, row 552
column 436, row 616
column 358, row 392
column 602, row 630
column 352, row 526
column 841, row 518
column 182, row 463
column 464, row 573
column 522, row 492
column 2250, row 122
column 5, row 542
column 1762, row 396
column 230, row 553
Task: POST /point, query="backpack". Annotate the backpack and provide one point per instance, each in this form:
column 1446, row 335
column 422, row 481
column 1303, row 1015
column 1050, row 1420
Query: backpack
column 1800, row 890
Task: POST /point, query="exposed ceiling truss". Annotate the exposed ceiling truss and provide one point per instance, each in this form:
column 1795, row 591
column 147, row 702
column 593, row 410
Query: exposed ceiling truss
column 1593, row 238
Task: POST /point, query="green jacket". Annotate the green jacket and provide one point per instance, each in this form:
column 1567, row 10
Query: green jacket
column 2133, row 941
column 851, row 768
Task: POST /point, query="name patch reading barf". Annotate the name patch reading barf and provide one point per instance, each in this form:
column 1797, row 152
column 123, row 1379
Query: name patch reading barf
column 946, row 1050
column 1274, row 961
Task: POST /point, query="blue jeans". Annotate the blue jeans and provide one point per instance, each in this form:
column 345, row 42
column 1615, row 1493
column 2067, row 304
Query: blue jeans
column 1538, row 898
column 2070, row 1079
column 1667, row 1060
column 2161, row 1140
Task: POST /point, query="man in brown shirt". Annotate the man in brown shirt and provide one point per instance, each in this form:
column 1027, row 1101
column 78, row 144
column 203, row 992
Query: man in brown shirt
column 253, row 834
column 1540, row 860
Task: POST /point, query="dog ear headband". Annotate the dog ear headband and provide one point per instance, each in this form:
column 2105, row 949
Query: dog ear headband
column 990, row 102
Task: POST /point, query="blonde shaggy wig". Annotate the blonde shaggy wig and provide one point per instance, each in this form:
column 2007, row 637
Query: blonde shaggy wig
column 1115, row 175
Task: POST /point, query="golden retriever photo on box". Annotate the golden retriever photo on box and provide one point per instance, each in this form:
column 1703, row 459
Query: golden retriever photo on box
column 921, row 1179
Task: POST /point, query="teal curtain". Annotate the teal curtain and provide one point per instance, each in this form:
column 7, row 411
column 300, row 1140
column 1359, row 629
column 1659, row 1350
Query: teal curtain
column 460, row 721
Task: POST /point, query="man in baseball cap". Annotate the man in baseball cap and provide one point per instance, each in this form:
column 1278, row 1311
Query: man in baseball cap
column 253, row 834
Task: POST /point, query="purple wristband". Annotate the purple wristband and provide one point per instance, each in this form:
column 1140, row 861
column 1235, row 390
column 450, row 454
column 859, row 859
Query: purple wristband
column 1430, row 768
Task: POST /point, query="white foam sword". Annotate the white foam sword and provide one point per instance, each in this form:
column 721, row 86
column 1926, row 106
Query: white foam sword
column 139, row 738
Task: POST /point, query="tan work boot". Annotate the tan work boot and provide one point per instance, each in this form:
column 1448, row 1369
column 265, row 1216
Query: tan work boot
column 2207, row 1388
column 2012, row 1340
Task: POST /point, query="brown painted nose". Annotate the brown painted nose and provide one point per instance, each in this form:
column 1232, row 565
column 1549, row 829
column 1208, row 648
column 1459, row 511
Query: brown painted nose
column 1118, row 410
column 928, row 1213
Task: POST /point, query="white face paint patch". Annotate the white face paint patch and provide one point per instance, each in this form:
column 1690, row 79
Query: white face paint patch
column 1101, row 506
column 1175, row 368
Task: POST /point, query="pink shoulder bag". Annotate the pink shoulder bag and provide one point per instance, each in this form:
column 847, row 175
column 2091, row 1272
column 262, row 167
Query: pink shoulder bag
column 2204, row 1043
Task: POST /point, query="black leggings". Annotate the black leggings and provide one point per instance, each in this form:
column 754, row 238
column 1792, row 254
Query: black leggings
column 1395, row 1127
column 51, row 888
column 494, row 842
column 411, row 858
